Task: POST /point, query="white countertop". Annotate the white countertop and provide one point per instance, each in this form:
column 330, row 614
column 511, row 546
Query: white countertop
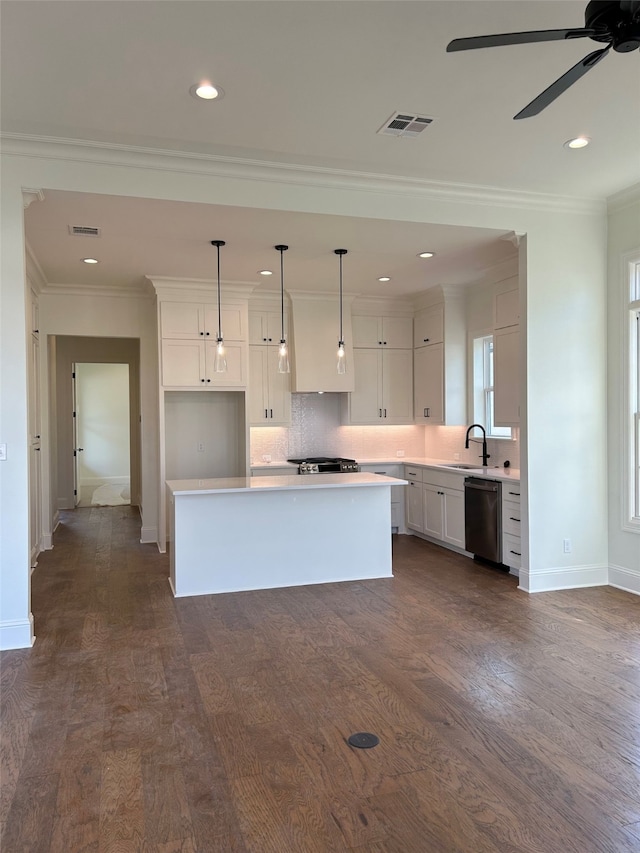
column 283, row 482
column 497, row 473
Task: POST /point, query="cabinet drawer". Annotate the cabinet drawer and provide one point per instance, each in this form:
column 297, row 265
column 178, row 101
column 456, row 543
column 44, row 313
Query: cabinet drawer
column 413, row 473
column 511, row 551
column 511, row 518
column 511, row 492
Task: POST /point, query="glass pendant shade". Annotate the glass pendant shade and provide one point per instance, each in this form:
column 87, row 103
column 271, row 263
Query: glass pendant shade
column 283, row 352
column 283, row 358
column 341, row 364
column 220, row 361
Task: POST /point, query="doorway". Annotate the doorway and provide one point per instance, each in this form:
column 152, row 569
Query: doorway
column 102, row 447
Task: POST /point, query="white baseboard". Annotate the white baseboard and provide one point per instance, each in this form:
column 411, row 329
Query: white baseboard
column 65, row 503
column 625, row 579
column 16, row 634
column 554, row 579
column 33, row 560
column 148, row 535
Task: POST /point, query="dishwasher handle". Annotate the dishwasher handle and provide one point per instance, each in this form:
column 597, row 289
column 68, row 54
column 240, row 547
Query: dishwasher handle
column 481, row 485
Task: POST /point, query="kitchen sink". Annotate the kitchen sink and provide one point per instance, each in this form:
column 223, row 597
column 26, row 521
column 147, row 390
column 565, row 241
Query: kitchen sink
column 462, row 465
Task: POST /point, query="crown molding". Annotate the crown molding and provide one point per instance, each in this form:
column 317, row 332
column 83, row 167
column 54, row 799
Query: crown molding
column 320, row 296
column 383, row 306
column 136, row 291
column 624, row 199
column 29, row 195
column 200, row 287
column 111, row 154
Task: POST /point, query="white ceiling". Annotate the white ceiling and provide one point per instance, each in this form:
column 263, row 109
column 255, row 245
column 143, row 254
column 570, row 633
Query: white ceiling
column 309, row 82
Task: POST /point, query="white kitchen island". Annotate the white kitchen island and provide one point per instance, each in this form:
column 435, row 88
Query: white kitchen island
column 241, row 533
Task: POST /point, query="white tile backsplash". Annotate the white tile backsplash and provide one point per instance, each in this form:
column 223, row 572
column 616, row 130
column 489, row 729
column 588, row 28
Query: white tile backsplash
column 316, row 430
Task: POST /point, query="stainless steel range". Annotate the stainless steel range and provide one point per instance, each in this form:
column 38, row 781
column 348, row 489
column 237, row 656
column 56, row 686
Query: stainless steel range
column 325, row 465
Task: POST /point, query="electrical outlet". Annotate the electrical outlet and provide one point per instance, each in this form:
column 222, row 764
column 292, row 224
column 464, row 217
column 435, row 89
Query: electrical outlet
column 200, row 447
column 566, row 546
column 399, row 452
column 456, row 457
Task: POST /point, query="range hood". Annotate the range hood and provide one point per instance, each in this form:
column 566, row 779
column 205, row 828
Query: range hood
column 314, row 338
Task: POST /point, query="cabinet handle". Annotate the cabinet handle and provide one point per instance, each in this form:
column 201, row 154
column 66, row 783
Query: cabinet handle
column 202, row 333
column 511, row 518
column 36, row 331
column 270, row 339
column 425, row 340
column 202, row 380
column 37, row 436
column 37, row 448
column 208, row 380
column 411, row 484
column 379, row 343
column 517, row 494
column 207, row 334
column 427, row 413
column 266, row 413
column 517, row 553
column 270, row 413
column 384, row 342
column 380, row 413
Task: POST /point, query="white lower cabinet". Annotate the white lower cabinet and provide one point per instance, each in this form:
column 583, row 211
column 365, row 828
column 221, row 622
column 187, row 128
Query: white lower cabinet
column 435, row 504
column 511, row 535
column 397, row 492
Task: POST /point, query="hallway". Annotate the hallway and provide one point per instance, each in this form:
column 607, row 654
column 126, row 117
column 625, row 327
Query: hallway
column 138, row 722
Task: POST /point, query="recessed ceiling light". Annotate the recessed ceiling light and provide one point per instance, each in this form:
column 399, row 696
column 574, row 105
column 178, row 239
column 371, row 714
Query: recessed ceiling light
column 426, row 254
column 90, row 261
column 206, row 91
column 265, row 272
column 578, row 142
column 384, row 278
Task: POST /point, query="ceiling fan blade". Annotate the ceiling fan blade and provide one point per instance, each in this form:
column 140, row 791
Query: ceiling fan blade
column 562, row 83
column 502, row 39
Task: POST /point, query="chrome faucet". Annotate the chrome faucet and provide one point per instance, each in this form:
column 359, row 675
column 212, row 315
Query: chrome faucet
column 485, row 455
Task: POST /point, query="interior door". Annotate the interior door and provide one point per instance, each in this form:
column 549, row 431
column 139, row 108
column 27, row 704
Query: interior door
column 76, row 450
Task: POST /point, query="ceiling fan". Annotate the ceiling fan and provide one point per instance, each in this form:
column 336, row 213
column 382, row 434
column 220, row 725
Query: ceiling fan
column 615, row 23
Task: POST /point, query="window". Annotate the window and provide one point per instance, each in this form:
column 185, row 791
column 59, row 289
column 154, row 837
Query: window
column 633, row 393
column 483, row 387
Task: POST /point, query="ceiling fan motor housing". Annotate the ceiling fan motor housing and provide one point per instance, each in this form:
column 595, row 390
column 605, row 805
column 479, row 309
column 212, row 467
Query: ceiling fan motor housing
column 618, row 23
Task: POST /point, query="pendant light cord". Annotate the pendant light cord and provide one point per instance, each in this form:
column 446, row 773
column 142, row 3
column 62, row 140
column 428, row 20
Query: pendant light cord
column 340, row 253
column 282, row 249
column 217, row 244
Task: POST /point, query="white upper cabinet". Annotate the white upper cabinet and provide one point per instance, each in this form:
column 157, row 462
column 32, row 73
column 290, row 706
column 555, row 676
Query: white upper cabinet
column 193, row 321
column 265, row 327
column 506, row 376
column 428, row 367
column 190, row 364
column 269, row 395
column 376, row 332
column 428, row 326
column 383, row 387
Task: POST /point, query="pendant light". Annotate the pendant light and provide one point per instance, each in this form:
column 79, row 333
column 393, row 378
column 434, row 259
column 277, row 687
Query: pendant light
column 342, row 357
column 220, row 361
column 283, row 352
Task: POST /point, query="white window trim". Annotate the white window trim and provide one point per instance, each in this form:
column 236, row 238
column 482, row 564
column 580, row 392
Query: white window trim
column 631, row 393
column 481, row 335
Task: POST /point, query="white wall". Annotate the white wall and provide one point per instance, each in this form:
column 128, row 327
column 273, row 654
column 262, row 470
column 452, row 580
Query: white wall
column 624, row 237
column 563, row 277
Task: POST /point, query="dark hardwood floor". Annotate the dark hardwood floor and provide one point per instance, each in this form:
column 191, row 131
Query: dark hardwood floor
column 138, row 722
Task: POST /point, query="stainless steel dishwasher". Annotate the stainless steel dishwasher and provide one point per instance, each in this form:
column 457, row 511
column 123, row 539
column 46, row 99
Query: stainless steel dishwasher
column 483, row 518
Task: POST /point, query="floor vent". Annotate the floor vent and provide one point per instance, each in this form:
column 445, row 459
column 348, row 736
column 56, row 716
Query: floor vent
column 405, row 124
column 83, row 231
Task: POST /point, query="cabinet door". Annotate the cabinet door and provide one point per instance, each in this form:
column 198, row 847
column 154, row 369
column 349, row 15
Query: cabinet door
column 183, row 363
column 366, row 331
column 432, row 509
column 428, row 327
column 428, row 365
column 453, row 517
column 279, row 398
column 397, row 386
column 397, row 332
column 265, row 327
column 235, row 373
column 506, row 376
column 415, row 519
column 365, row 406
column 231, row 321
column 258, row 386
column 183, row 320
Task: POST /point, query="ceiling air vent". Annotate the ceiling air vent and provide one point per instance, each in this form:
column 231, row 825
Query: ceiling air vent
column 405, row 124
column 83, row 231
